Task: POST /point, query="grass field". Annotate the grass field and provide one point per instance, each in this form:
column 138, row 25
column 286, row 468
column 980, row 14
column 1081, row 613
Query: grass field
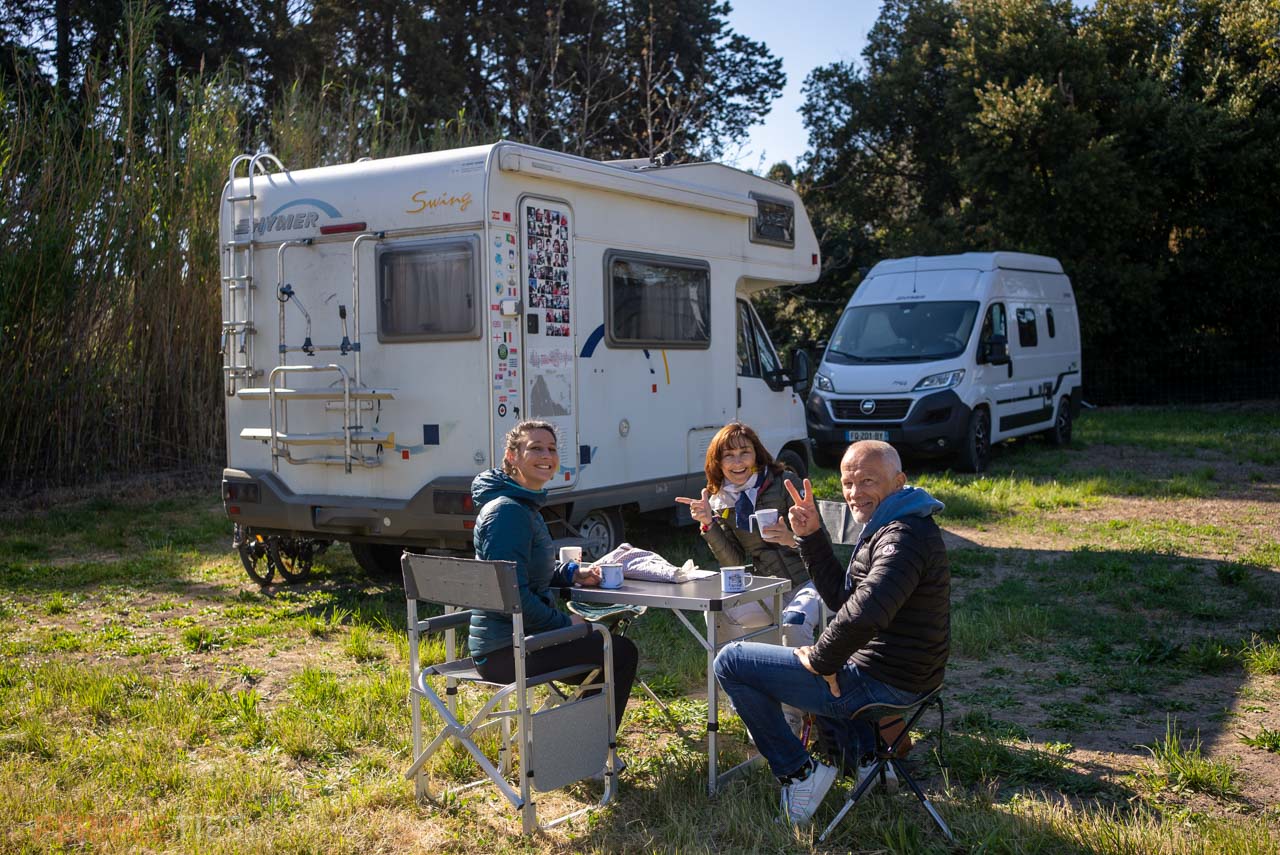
column 1114, row 685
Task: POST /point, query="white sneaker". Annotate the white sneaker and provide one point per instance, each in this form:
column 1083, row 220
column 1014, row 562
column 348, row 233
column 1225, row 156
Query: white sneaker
column 890, row 778
column 800, row 799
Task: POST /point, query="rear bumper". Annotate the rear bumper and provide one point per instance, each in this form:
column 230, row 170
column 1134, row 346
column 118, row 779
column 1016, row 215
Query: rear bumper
column 935, row 425
column 412, row 522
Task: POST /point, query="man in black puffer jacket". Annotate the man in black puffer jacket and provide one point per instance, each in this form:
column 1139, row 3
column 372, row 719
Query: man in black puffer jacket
column 888, row 642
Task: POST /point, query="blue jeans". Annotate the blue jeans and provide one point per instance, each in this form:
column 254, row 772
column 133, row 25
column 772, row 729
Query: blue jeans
column 759, row 678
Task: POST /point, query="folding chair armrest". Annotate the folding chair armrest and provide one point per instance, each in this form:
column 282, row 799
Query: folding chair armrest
column 440, row 623
column 564, row 635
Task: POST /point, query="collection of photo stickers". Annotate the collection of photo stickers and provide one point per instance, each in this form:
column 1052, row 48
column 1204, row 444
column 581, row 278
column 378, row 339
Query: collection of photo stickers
column 547, row 233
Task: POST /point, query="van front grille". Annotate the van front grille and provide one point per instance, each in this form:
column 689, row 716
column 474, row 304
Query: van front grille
column 882, row 409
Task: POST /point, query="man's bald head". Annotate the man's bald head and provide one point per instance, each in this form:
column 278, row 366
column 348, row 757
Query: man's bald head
column 869, row 450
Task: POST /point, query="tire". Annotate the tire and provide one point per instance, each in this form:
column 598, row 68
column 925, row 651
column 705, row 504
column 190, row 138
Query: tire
column 789, row 459
column 602, row 530
column 976, row 452
column 1060, row 434
column 378, row 560
column 253, row 555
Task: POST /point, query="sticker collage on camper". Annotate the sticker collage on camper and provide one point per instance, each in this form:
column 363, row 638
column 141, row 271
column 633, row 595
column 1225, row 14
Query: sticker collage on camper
column 547, row 236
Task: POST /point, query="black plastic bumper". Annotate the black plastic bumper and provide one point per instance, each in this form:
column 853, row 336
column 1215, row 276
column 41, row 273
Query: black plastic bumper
column 935, row 426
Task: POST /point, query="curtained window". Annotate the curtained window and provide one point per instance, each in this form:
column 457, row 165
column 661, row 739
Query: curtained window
column 658, row 302
column 429, row 291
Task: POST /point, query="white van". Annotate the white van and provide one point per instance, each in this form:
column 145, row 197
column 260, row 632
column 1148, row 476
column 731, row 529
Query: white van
column 386, row 322
column 945, row 355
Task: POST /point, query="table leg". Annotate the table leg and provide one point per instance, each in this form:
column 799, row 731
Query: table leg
column 713, row 716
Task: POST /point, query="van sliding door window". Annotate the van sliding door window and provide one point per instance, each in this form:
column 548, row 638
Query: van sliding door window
column 651, row 301
column 1027, row 328
column 428, row 290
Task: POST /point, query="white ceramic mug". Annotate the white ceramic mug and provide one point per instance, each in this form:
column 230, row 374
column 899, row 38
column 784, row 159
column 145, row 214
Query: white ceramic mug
column 762, row 519
column 735, row 580
column 570, row 553
column 610, row 575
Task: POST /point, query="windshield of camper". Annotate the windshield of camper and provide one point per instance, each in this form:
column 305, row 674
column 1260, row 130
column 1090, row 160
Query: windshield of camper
column 902, row 332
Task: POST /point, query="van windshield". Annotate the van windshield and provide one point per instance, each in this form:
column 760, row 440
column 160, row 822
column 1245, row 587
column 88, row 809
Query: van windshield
column 902, row 332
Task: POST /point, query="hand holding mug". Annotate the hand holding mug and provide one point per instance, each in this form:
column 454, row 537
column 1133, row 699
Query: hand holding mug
column 699, row 509
column 804, row 511
column 778, row 533
column 587, row 577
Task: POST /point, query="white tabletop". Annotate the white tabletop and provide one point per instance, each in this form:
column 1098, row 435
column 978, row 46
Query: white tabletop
column 699, row 595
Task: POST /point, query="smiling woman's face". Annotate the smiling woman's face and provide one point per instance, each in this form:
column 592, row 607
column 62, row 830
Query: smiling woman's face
column 738, row 462
column 536, row 460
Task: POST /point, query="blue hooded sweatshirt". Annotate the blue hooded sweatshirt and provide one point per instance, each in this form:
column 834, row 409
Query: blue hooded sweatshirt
column 510, row 528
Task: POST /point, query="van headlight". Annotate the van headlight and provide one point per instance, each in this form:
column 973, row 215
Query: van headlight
column 937, row 382
column 823, row 382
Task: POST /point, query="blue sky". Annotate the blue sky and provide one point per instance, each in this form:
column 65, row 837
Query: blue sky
column 805, row 34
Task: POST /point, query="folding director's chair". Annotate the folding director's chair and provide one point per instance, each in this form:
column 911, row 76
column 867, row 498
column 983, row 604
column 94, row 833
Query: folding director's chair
column 569, row 738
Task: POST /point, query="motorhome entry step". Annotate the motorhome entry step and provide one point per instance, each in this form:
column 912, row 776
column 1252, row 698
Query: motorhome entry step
column 332, row 438
column 316, row 393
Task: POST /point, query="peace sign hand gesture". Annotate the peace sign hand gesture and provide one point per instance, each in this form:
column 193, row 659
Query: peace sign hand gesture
column 803, row 516
column 699, row 509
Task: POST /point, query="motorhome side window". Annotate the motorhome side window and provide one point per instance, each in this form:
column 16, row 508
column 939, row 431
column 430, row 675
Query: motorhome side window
column 1048, row 319
column 658, row 302
column 1027, row 328
column 427, row 290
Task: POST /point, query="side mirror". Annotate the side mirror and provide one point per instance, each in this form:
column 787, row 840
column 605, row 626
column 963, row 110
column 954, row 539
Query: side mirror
column 801, row 371
column 996, row 350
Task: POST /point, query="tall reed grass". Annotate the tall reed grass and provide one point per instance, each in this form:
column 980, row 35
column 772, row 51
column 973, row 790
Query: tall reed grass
column 109, row 294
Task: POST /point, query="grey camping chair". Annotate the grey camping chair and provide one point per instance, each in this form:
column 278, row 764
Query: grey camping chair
column 569, row 738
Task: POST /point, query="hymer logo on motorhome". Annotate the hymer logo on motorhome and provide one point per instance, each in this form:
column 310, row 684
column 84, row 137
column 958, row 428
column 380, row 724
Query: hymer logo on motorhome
column 279, row 221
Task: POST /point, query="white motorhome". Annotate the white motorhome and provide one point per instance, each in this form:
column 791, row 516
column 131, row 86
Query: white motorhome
column 946, row 355
column 386, row 322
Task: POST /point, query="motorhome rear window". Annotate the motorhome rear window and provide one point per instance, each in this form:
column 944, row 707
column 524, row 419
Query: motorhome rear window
column 775, row 222
column 428, row 290
column 653, row 301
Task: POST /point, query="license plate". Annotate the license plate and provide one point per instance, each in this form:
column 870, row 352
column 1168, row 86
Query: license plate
column 856, row 435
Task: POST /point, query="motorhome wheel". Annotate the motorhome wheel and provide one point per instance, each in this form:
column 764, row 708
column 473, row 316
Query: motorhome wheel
column 601, row 530
column 253, row 555
column 790, row 460
column 976, row 452
column 1060, row 433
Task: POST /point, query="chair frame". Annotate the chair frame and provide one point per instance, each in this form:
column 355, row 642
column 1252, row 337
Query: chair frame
column 886, row 755
column 462, row 584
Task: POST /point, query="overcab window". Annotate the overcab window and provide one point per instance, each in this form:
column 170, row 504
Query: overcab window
column 428, row 290
column 653, row 301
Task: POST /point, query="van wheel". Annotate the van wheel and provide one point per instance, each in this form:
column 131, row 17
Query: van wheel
column 1060, row 433
column 976, row 453
column 601, row 531
column 789, row 459
column 378, row 560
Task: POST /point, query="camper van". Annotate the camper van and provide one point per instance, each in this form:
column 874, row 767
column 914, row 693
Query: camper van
column 386, row 322
column 945, row 355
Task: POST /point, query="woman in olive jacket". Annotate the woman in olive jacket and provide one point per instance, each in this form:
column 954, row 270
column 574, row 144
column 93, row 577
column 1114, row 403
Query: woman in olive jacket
column 742, row 478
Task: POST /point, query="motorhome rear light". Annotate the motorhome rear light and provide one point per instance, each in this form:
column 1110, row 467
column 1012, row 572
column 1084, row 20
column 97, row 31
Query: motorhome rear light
column 233, row 509
column 233, row 491
column 343, row 228
column 469, row 524
column 447, row 502
column 815, row 255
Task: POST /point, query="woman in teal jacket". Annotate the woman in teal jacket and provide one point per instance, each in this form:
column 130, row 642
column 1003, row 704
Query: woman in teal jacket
column 510, row 527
